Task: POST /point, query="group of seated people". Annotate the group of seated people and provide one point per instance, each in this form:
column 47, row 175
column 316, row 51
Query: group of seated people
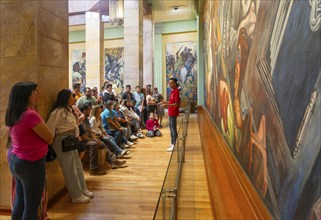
column 101, row 121
column 143, row 101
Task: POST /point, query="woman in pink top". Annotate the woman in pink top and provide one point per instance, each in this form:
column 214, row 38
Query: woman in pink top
column 29, row 141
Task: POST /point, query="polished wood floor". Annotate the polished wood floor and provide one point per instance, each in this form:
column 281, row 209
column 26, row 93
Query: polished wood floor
column 193, row 202
column 132, row 192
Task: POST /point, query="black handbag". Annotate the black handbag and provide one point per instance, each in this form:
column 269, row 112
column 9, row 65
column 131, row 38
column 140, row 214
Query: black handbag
column 51, row 154
column 70, row 143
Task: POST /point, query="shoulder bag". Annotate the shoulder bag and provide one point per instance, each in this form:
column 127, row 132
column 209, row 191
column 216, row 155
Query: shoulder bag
column 51, row 154
column 70, row 143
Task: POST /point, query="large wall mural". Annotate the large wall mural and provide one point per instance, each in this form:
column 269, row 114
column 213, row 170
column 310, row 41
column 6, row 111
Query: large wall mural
column 181, row 63
column 263, row 90
column 114, row 67
column 78, row 62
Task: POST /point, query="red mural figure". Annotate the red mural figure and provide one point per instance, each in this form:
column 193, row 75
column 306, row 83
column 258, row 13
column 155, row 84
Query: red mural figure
column 224, row 102
column 239, row 73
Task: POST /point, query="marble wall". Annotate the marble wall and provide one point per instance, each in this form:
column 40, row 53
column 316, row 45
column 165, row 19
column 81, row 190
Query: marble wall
column 34, row 47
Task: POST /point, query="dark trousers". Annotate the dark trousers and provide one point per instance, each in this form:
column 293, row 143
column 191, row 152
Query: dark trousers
column 92, row 147
column 30, row 179
column 173, row 128
column 150, row 109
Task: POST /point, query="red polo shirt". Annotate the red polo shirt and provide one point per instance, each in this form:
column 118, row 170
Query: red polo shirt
column 174, row 98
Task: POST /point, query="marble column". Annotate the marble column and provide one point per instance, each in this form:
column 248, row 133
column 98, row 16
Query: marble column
column 148, row 76
column 133, row 43
column 34, row 47
column 158, row 58
column 94, row 50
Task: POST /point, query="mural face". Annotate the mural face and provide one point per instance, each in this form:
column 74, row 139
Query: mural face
column 114, row 67
column 78, row 59
column 262, row 86
column 181, row 63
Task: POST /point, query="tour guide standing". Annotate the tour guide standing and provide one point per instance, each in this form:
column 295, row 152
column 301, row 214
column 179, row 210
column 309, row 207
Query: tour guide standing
column 173, row 111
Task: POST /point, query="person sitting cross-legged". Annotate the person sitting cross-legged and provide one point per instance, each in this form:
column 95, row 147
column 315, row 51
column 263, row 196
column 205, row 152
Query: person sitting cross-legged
column 152, row 126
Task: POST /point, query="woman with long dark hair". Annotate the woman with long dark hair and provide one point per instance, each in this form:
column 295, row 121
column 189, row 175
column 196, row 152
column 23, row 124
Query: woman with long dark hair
column 29, row 142
column 62, row 123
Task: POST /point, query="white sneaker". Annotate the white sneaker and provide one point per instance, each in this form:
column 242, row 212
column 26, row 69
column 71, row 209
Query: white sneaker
column 133, row 137
column 130, row 143
column 81, row 199
column 123, row 153
column 140, row 135
column 88, row 194
column 171, row 148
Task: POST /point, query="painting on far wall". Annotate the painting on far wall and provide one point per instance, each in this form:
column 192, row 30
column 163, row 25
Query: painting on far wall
column 263, row 91
column 181, row 63
column 114, row 67
column 78, row 63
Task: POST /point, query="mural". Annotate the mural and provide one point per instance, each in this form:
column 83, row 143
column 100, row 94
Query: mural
column 114, row 68
column 181, row 63
column 262, row 88
column 78, row 59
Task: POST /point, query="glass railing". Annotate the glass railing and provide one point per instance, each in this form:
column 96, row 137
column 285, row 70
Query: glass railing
column 167, row 203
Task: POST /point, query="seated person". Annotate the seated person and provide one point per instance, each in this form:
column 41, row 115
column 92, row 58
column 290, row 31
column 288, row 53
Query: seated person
column 100, row 133
column 89, row 142
column 124, row 122
column 131, row 116
column 112, row 126
column 152, row 126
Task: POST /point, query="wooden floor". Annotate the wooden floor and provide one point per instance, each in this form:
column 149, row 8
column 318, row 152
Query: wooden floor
column 193, row 202
column 133, row 192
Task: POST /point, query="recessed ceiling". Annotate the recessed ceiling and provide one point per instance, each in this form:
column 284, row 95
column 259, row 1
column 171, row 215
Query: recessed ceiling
column 164, row 10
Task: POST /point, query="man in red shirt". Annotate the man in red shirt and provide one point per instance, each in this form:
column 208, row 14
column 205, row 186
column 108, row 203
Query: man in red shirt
column 173, row 111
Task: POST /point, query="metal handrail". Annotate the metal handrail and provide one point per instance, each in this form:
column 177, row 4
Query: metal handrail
column 180, row 148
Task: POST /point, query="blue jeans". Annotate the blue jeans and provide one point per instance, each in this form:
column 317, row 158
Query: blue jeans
column 117, row 135
column 111, row 143
column 173, row 128
column 30, row 179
